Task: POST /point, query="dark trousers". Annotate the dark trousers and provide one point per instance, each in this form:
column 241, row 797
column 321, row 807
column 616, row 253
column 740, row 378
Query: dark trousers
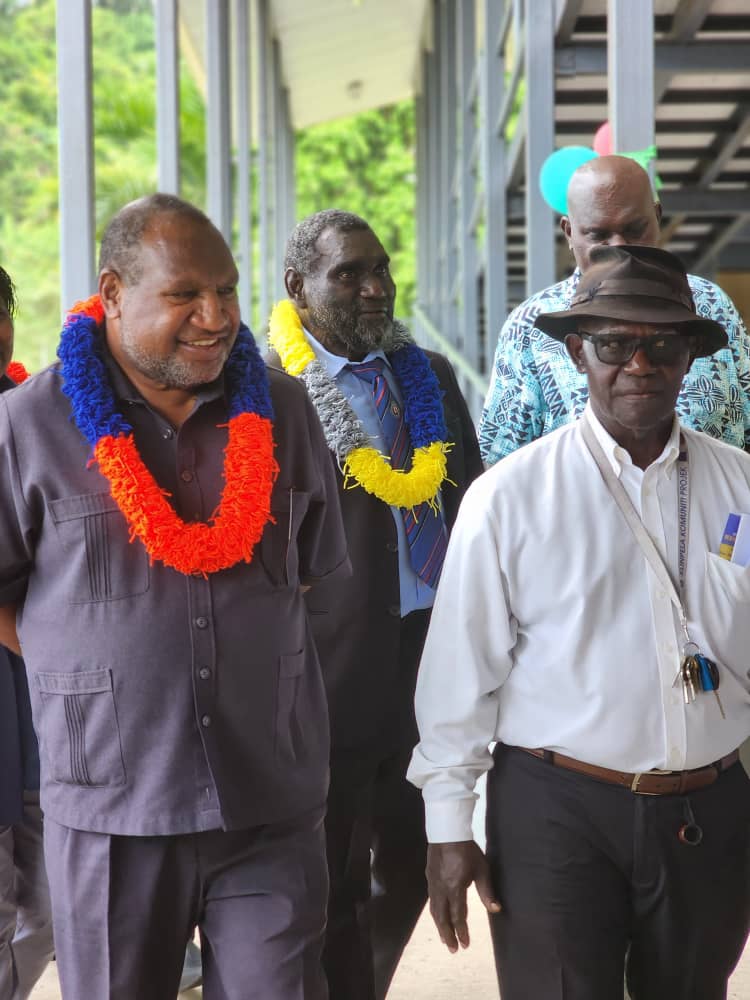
column 595, row 884
column 376, row 859
column 124, row 908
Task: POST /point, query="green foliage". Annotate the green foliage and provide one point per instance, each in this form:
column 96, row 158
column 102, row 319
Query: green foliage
column 366, row 164
column 125, row 145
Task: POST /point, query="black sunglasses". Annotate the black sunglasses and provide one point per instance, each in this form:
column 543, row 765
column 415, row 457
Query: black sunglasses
column 616, row 350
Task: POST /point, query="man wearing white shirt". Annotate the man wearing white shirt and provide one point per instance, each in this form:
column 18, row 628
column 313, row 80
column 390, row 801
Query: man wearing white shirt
column 581, row 579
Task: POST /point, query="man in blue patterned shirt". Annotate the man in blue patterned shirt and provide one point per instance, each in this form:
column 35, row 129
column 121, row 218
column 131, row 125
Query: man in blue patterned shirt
column 535, row 388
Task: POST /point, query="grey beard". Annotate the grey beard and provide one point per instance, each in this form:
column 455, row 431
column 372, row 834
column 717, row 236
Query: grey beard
column 352, row 333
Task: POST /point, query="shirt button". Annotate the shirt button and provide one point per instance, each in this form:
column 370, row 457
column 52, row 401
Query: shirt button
column 206, row 721
column 204, row 673
column 168, row 433
column 392, row 546
column 186, row 476
column 201, row 622
column 394, row 610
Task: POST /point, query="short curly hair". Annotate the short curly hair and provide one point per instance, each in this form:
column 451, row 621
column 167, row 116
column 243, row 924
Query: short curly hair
column 8, row 292
column 301, row 247
column 124, row 233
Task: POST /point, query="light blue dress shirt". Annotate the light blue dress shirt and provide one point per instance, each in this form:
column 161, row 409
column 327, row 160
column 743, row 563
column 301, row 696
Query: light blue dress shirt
column 415, row 594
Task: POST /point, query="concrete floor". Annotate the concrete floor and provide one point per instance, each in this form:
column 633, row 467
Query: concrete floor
column 429, row 972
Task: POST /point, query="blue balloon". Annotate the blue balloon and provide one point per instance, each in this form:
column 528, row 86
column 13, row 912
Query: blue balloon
column 556, row 172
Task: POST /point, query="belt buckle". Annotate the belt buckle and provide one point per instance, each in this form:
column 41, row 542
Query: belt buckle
column 640, row 774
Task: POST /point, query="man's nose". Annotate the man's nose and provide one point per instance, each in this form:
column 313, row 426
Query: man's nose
column 639, row 364
column 211, row 314
column 374, row 286
column 617, row 240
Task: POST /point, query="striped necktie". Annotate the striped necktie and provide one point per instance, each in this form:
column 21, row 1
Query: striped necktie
column 425, row 527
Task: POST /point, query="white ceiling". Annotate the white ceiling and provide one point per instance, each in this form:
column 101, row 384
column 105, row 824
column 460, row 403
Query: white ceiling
column 339, row 57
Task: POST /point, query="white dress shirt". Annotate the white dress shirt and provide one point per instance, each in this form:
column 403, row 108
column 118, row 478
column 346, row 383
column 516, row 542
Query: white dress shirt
column 551, row 630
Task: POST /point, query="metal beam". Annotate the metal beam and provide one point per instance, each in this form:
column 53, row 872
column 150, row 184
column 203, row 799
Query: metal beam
column 242, row 63
column 168, row 96
column 218, row 118
column 630, row 76
column 707, row 260
column 539, row 115
column 694, row 201
column 590, row 59
column 688, row 18
column 75, row 151
column 566, row 20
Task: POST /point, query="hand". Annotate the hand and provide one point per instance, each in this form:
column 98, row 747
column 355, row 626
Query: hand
column 451, row 868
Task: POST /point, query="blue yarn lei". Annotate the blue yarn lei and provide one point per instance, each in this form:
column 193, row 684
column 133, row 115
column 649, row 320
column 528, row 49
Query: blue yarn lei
column 86, row 381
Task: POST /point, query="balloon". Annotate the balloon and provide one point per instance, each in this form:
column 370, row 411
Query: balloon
column 556, row 172
column 603, row 140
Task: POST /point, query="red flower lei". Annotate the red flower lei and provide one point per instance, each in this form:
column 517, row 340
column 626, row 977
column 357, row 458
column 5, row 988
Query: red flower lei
column 250, row 469
column 16, row 372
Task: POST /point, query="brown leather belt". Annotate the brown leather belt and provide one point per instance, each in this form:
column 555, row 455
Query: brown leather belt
column 647, row 782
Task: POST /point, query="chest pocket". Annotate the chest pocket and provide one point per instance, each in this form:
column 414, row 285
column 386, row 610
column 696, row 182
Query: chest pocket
column 726, row 607
column 279, row 544
column 101, row 563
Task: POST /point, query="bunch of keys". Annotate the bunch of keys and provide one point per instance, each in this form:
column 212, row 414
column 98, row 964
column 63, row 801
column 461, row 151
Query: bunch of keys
column 697, row 671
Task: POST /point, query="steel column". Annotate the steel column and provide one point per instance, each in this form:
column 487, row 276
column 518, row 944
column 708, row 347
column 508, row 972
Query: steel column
column 630, row 74
column 539, row 47
column 491, row 94
column 469, row 319
column 261, row 61
column 279, row 173
column 448, row 215
column 75, row 151
column 167, row 96
column 243, row 132
column 422, row 143
column 218, row 118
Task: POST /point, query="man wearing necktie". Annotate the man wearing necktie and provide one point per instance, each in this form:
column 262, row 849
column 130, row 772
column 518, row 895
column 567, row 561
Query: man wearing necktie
column 370, row 630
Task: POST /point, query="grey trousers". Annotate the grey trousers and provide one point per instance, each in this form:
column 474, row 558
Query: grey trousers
column 25, row 917
column 125, row 907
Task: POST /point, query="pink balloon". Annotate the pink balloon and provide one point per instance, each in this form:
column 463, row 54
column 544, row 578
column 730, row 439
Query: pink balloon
column 603, row 140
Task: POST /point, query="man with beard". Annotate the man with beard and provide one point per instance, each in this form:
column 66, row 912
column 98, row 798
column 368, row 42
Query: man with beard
column 164, row 498
column 25, row 918
column 392, row 415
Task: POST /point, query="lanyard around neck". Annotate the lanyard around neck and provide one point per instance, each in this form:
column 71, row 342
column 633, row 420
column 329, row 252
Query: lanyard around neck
column 642, row 537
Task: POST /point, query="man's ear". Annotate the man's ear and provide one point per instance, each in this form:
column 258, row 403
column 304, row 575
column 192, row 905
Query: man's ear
column 574, row 347
column 658, row 211
column 565, row 227
column 110, row 292
column 295, row 286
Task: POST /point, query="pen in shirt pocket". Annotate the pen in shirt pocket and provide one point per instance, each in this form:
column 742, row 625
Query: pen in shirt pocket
column 735, row 542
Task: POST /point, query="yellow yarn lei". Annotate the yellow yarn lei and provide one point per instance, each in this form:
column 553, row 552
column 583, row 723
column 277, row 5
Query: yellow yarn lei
column 365, row 465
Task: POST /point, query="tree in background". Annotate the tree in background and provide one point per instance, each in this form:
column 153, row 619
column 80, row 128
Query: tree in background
column 124, row 141
column 366, row 164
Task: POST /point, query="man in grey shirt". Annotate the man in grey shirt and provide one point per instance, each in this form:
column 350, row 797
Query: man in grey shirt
column 164, row 500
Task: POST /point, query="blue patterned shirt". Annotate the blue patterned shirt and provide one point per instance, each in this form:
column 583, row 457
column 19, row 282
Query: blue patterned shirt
column 535, row 388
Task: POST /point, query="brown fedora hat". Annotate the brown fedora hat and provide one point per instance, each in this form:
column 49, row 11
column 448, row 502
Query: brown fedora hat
column 637, row 285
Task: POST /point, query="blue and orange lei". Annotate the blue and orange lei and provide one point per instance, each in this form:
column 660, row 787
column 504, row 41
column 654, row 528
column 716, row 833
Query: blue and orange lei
column 250, row 469
column 346, row 437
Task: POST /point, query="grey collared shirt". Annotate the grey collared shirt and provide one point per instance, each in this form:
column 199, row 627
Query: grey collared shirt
column 166, row 703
